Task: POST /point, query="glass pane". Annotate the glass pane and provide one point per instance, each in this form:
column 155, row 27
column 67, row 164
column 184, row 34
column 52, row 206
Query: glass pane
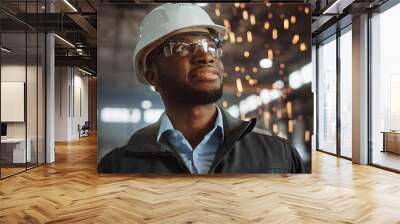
column 327, row 97
column 41, row 98
column 13, row 87
column 385, row 84
column 31, row 86
column 31, row 97
column 345, row 94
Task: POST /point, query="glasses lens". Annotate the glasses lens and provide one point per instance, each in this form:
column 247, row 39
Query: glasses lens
column 181, row 48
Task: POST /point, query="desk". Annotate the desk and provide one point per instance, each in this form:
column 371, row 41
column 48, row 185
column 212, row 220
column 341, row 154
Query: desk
column 391, row 141
column 15, row 148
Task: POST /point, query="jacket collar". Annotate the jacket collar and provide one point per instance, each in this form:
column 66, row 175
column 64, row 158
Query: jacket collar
column 165, row 125
column 145, row 140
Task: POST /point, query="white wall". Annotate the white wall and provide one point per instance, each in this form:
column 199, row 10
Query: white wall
column 16, row 73
column 62, row 81
column 33, row 126
column 71, row 93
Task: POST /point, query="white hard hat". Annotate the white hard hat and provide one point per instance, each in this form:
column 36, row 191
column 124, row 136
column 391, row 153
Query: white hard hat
column 163, row 21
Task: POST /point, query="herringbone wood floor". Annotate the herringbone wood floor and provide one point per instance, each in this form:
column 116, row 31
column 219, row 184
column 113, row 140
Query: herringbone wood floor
column 70, row 191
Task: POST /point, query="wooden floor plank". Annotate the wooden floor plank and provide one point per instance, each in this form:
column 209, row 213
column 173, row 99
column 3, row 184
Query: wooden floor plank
column 70, row 191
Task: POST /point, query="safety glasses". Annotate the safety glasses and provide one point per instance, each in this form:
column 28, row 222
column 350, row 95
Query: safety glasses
column 212, row 47
column 210, row 44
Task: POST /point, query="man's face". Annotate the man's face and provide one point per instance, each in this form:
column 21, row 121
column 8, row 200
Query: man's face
column 193, row 78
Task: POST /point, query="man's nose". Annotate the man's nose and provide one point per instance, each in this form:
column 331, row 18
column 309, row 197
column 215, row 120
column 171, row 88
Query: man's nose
column 202, row 57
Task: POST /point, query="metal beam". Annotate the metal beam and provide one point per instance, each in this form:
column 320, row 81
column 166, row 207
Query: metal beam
column 85, row 25
column 338, row 6
column 83, row 61
column 322, row 20
column 44, row 22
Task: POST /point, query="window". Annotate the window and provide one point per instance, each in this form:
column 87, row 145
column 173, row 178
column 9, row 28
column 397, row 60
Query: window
column 346, row 93
column 385, row 89
column 327, row 96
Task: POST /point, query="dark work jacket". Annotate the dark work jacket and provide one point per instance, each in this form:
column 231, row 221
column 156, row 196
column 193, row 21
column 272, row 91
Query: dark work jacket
column 245, row 149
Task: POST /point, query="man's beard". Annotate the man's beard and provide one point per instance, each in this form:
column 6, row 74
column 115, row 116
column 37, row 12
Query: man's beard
column 188, row 95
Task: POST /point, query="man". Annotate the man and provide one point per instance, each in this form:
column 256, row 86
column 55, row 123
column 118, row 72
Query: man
column 178, row 53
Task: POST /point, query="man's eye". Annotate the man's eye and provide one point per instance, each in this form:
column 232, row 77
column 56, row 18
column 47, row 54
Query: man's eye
column 183, row 48
column 179, row 48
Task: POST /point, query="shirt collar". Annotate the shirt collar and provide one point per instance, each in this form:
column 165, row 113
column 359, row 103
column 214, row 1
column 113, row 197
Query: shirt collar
column 166, row 125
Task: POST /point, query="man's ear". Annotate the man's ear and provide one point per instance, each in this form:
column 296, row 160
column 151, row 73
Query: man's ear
column 151, row 76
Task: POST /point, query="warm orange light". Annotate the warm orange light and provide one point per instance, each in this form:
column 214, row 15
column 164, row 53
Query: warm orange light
column 239, row 85
column 252, row 20
column 227, row 24
column 306, row 10
column 274, row 34
column 254, row 69
column 295, row 39
column 266, row 25
column 239, row 39
column 237, row 68
column 217, row 12
column 266, row 119
column 289, row 109
column 236, row 4
column 290, row 126
column 232, row 37
column 246, row 54
column 252, row 81
column 282, row 65
column 307, row 136
column 285, row 24
column 249, row 36
column 270, row 54
column 245, row 15
column 293, row 19
column 303, row 47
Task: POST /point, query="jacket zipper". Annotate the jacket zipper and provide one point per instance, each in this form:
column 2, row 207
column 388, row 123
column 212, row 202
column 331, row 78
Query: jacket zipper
column 177, row 157
column 212, row 170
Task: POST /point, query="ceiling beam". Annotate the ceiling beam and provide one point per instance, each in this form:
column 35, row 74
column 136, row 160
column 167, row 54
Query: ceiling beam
column 337, row 7
column 85, row 25
column 83, row 61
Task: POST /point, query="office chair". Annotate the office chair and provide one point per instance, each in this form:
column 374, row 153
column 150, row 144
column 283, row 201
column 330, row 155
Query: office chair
column 84, row 130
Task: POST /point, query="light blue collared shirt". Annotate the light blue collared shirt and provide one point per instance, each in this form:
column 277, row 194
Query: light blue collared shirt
column 197, row 160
